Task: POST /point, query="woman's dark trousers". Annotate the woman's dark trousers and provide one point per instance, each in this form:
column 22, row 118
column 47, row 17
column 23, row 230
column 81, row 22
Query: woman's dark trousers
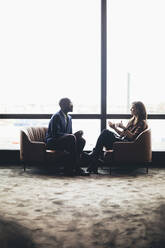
column 105, row 139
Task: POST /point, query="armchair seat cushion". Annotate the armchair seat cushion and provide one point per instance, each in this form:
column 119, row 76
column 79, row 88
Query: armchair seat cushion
column 55, row 156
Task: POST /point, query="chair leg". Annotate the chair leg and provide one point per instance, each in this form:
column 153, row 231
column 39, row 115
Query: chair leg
column 24, row 166
column 110, row 170
column 147, row 170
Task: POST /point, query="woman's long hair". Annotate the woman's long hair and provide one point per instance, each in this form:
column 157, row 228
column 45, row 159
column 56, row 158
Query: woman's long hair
column 141, row 110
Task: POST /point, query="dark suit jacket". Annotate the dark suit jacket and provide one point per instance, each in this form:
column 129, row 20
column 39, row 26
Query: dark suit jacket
column 57, row 126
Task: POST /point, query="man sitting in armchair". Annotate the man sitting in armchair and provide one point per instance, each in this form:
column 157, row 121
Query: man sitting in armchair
column 59, row 136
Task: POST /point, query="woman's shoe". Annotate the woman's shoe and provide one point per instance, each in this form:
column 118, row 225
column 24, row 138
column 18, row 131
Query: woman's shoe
column 87, row 156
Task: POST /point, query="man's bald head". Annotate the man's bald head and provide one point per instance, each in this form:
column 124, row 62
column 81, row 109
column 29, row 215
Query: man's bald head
column 66, row 105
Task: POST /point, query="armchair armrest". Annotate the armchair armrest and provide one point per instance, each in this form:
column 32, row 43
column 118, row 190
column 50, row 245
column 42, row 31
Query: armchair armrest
column 129, row 152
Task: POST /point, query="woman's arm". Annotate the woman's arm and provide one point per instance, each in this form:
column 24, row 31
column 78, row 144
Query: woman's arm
column 141, row 126
column 115, row 127
column 126, row 133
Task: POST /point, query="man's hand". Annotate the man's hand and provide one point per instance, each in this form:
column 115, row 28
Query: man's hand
column 79, row 134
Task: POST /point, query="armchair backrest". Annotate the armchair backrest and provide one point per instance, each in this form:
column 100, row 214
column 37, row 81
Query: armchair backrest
column 144, row 141
column 36, row 133
column 32, row 144
column 144, row 137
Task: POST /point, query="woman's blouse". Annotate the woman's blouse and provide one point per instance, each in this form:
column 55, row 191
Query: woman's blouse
column 136, row 129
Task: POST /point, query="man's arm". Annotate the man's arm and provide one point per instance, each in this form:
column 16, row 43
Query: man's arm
column 57, row 129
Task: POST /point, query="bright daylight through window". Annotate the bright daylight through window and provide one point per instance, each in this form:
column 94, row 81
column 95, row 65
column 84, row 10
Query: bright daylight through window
column 48, row 50
column 136, row 58
column 52, row 49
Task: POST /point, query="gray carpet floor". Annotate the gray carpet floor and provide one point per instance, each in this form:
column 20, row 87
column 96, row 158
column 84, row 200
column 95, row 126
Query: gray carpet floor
column 126, row 209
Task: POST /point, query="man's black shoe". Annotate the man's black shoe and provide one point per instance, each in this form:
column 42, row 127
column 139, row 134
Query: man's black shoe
column 81, row 172
column 69, row 173
column 93, row 166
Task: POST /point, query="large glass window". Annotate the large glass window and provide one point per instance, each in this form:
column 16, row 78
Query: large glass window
column 10, row 131
column 48, row 50
column 91, row 129
column 136, row 54
column 51, row 49
column 157, row 134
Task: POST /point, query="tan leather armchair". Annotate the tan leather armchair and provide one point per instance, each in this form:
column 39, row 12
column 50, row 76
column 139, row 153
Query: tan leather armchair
column 33, row 148
column 137, row 152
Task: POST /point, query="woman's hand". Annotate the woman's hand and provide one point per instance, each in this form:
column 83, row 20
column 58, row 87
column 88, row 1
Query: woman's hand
column 120, row 124
column 112, row 125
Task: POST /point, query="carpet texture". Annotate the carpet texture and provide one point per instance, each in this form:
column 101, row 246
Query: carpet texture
column 99, row 211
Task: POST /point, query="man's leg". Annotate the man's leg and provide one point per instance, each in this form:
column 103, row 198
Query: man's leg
column 67, row 143
column 80, row 145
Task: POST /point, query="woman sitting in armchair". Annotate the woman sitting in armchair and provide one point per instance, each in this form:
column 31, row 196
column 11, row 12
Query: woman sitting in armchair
column 135, row 126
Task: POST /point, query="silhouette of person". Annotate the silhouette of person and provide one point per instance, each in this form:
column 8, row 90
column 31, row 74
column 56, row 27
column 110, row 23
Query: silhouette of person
column 59, row 136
